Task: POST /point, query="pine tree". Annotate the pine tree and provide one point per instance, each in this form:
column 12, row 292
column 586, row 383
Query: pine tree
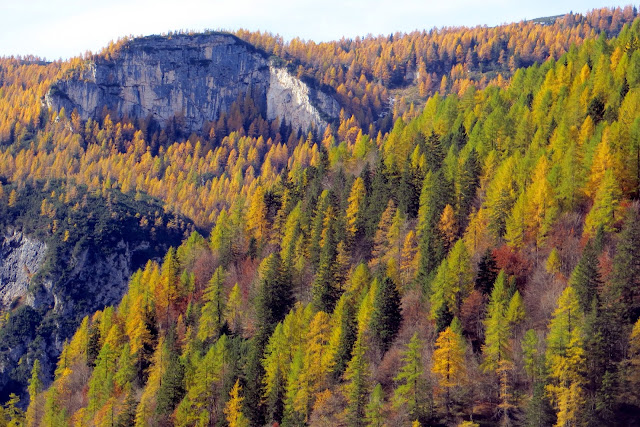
column 357, row 387
column 625, row 281
column 274, row 295
column 386, row 317
column 325, row 291
column 487, row 273
column 632, row 367
column 171, row 389
column 585, row 278
column 343, row 336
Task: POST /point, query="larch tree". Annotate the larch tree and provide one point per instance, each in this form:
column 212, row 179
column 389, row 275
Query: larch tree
column 411, row 391
column 257, row 215
column 605, row 210
column 380, row 242
column 233, row 408
column 213, row 312
column 35, row 388
column 374, row 415
column 565, row 358
column 408, row 259
column 497, row 350
column 449, row 362
column 448, row 227
column 276, row 368
column 355, row 210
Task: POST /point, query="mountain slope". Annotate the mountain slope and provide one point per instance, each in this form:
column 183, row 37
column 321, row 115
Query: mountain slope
column 472, row 262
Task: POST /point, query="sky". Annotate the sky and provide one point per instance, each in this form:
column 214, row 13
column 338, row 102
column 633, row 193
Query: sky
column 66, row 28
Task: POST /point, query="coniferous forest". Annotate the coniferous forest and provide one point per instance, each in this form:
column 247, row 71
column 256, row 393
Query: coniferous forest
column 461, row 247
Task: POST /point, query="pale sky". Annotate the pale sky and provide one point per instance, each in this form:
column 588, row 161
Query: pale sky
column 64, row 28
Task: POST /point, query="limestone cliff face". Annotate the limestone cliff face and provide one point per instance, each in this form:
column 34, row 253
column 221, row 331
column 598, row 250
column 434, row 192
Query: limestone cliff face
column 295, row 102
column 192, row 78
column 20, row 258
column 94, row 282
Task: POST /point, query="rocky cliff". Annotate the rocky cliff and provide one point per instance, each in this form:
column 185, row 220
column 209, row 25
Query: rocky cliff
column 50, row 280
column 20, row 258
column 191, row 77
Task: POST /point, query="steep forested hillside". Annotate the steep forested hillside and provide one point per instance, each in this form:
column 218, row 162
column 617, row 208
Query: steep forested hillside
column 472, row 261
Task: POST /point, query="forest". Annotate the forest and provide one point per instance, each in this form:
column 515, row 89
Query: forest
column 460, row 248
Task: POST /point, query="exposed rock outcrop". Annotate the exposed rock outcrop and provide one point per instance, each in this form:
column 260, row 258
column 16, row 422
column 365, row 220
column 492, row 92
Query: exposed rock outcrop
column 193, row 78
column 20, row 258
column 298, row 104
column 94, row 283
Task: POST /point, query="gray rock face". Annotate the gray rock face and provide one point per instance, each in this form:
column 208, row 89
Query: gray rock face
column 93, row 283
column 292, row 100
column 191, row 78
column 20, row 258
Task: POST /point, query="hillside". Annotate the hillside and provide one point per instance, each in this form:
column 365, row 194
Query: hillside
column 470, row 258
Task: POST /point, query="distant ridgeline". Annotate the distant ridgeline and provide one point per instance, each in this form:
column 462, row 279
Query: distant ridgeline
column 459, row 246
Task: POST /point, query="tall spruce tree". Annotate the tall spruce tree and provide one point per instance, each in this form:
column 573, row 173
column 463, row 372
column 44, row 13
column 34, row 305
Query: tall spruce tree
column 387, row 316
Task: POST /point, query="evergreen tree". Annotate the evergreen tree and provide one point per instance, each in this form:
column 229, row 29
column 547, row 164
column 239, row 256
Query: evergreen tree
column 487, row 273
column 276, row 368
column 171, row 388
column 346, row 330
column 324, row 291
column 625, row 282
column 357, row 387
column 386, row 317
column 355, row 211
column 585, row 278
